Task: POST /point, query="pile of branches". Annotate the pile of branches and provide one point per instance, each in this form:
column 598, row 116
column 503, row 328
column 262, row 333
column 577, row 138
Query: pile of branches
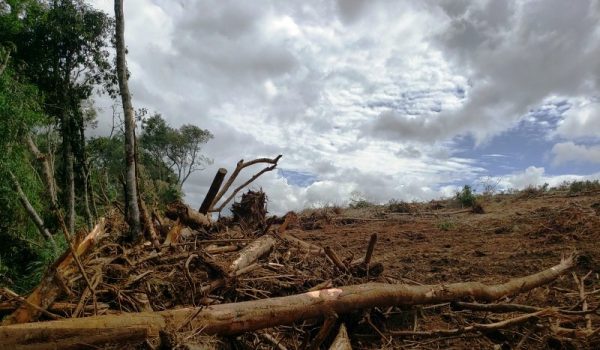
column 254, row 285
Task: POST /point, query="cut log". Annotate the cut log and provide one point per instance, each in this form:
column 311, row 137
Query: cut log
column 186, row 215
column 236, row 318
column 213, row 190
column 48, row 289
column 252, row 252
column 341, row 341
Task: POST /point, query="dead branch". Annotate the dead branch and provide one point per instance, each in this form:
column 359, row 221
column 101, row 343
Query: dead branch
column 239, row 166
column 186, row 215
column 479, row 326
column 247, row 316
column 33, row 214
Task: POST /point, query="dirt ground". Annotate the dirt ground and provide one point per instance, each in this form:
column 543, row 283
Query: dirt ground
column 439, row 243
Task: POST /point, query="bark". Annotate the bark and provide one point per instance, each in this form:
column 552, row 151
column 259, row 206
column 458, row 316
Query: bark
column 236, row 318
column 70, row 189
column 252, row 252
column 33, row 214
column 130, row 177
column 46, row 170
column 148, row 224
column 212, row 191
column 48, row 289
column 341, row 341
column 186, row 215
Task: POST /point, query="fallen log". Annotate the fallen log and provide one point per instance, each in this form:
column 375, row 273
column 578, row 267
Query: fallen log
column 235, row 318
column 186, row 215
column 49, row 288
column 212, row 191
column 252, row 252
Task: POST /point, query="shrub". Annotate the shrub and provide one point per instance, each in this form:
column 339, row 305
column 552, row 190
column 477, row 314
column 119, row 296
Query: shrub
column 466, row 196
column 582, row 186
column 360, row 203
column 396, row 206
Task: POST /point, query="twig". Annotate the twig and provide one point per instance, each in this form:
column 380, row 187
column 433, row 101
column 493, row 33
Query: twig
column 271, row 339
column 478, row 326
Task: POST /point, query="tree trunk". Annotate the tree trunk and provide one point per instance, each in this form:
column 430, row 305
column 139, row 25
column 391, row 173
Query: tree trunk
column 46, row 170
column 236, row 318
column 252, row 252
column 85, row 176
column 71, row 190
column 133, row 211
column 35, row 217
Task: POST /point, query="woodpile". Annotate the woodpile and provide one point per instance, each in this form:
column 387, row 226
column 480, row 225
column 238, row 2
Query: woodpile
column 250, row 284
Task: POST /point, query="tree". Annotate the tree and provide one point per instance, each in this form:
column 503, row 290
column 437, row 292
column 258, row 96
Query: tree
column 62, row 48
column 178, row 148
column 131, row 195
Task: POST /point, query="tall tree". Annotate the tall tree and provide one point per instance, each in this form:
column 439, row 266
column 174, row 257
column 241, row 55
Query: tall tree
column 133, row 210
column 62, row 47
column 178, row 148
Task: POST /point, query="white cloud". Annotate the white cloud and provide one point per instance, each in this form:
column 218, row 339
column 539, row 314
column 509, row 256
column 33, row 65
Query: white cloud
column 581, row 120
column 364, row 95
column 570, row 152
column 536, row 176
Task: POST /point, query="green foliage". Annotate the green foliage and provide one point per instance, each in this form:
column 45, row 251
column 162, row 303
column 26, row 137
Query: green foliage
column 446, row 225
column 178, row 149
column 466, row 196
column 584, row 186
column 396, row 206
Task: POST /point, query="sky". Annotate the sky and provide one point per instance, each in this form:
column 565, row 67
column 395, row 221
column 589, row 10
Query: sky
column 373, row 99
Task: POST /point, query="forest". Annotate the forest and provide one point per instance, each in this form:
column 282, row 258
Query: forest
column 56, row 57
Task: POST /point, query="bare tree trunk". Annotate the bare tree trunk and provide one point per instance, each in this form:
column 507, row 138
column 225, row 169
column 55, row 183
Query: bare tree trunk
column 236, row 318
column 130, row 178
column 71, row 190
column 85, row 177
column 46, row 170
column 35, row 217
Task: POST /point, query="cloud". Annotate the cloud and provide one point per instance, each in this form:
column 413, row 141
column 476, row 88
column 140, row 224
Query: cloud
column 581, row 121
column 365, row 96
column 536, row 176
column 566, row 152
column 515, row 54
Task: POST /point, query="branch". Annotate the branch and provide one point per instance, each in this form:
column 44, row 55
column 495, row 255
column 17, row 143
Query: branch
column 238, row 168
column 35, row 217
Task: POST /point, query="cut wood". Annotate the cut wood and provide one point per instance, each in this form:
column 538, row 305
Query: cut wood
column 235, row 318
column 212, row 191
column 341, row 341
column 49, row 288
column 252, row 252
column 186, row 215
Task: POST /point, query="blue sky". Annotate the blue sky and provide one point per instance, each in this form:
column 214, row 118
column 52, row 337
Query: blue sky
column 388, row 99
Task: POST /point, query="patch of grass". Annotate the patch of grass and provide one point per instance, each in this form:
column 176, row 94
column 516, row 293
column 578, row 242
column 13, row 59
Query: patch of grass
column 445, row 225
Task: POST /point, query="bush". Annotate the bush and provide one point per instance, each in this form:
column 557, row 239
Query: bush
column 466, row 196
column 582, row 186
column 396, row 206
column 360, row 203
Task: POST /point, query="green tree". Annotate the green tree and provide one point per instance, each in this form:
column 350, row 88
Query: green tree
column 180, row 149
column 62, row 48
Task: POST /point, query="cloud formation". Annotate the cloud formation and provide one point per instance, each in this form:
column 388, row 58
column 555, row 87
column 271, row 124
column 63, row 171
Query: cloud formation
column 370, row 96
